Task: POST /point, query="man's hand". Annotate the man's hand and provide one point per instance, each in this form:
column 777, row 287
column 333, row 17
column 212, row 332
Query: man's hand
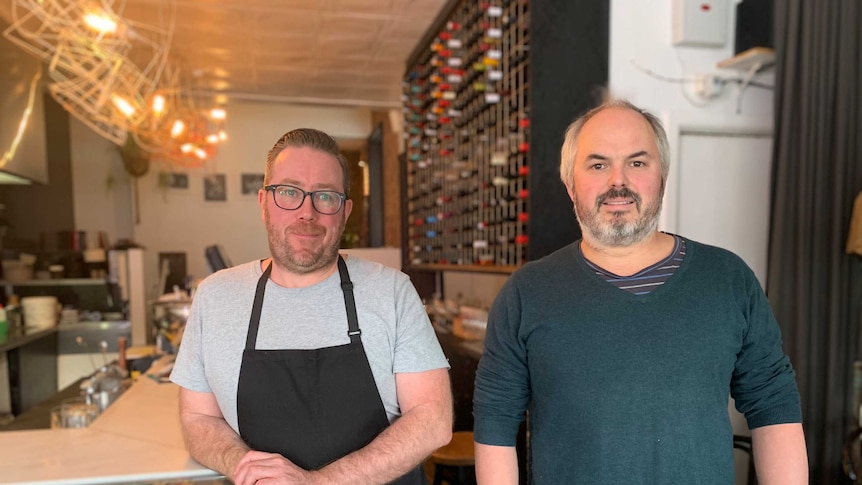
column 258, row 467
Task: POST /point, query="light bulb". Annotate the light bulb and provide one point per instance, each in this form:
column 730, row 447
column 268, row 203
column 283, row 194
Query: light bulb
column 100, row 22
column 158, row 104
column 187, row 147
column 124, row 106
column 218, row 114
column 212, row 138
column 177, row 128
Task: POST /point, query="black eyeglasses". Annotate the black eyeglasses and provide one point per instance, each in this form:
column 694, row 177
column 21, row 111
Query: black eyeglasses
column 289, row 197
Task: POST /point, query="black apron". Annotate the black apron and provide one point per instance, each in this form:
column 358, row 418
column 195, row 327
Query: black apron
column 311, row 406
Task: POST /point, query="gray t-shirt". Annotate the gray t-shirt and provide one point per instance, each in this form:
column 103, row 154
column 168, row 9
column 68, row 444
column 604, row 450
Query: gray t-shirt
column 396, row 333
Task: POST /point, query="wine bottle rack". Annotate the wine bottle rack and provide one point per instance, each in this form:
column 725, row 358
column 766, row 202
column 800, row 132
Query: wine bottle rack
column 487, row 95
column 467, row 140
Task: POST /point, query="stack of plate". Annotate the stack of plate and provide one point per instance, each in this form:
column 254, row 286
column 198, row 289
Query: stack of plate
column 39, row 311
column 69, row 315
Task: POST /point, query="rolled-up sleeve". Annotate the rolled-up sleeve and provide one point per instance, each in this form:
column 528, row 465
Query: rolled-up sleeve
column 764, row 383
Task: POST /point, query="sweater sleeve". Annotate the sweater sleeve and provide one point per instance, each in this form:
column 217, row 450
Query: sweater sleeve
column 502, row 390
column 764, row 383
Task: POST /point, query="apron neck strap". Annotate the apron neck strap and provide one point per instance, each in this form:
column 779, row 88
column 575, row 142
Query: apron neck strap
column 353, row 330
column 349, row 303
column 251, row 336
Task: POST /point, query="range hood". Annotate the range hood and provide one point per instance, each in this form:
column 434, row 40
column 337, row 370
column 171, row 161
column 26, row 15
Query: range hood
column 23, row 144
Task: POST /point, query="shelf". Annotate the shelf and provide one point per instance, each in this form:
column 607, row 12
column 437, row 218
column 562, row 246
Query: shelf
column 471, row 268
column 756, row 57
column 57, row 282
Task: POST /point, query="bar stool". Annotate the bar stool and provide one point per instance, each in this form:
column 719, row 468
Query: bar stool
column 455, row 463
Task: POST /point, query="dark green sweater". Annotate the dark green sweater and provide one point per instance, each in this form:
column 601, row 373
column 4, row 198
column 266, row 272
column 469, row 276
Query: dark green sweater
column 631, row 389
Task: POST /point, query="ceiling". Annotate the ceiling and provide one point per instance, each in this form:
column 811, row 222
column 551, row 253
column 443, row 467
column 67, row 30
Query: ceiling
column 339, row 52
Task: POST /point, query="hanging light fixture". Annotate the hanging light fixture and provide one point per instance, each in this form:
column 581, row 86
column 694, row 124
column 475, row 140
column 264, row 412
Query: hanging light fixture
column 104, row 68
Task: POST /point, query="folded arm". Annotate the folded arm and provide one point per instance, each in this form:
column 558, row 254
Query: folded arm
column 425, row 424
column 208, row 437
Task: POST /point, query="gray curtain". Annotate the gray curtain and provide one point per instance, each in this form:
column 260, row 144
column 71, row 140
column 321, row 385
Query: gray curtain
column 814, row 287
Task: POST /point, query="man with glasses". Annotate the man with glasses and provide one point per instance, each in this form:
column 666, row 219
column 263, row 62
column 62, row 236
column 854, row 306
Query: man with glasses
column 309, row 367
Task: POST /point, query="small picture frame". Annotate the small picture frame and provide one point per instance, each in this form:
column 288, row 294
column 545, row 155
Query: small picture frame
column 215, row 188
column 251, row 183
column 173, row 180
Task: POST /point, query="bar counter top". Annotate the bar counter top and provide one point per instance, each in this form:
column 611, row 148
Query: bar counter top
column 136, row 440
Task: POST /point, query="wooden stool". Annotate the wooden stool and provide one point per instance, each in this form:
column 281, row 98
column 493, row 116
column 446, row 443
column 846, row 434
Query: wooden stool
column 455, row 463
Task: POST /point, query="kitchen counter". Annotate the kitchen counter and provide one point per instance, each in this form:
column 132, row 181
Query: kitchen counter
column 39, row 416
column 137, row 439
column 31, row 357
column 17, row 338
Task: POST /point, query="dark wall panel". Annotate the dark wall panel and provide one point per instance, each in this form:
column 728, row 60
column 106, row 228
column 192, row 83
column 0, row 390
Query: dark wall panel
column 568, row 75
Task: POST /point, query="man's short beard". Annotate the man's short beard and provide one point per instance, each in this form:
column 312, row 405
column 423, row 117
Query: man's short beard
column 618, row 232
column 285, row 257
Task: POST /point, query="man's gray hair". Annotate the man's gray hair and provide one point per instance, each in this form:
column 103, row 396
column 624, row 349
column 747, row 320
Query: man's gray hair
column 570, row 143
column 309, row 138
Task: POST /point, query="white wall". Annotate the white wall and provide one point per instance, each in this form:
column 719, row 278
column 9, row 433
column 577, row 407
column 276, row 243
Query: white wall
column 641, row 36
column 179, row 220
column 101, row 188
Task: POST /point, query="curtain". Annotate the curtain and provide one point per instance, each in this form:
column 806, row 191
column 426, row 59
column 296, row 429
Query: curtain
column 815, row 288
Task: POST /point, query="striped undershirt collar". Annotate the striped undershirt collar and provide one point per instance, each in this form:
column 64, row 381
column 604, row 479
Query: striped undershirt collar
column 647, row 279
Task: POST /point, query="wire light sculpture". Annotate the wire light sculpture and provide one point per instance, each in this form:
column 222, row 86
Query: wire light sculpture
column 105, row 68
column 185, row 127
column 114, row 75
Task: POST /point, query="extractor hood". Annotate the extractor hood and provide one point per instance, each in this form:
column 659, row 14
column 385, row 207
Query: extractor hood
column 23, row 144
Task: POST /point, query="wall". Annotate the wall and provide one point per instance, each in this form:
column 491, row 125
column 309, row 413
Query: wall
column 179, row 220
column 102, row 189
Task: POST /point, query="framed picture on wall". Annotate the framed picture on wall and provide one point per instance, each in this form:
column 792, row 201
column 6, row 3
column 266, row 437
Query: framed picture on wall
column 174, row 180
column 214, row 187
column 251, row 183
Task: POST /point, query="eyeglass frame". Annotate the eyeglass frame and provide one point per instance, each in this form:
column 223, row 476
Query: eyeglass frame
column 341, row 197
